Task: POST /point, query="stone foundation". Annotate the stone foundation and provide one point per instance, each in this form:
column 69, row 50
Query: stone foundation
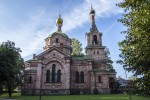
column 45, row 92
column 54, row 92
column 62, row 91
column 80, row 91
column 104, row 91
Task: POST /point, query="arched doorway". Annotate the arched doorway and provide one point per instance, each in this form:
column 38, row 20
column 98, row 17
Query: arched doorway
column 112, row 85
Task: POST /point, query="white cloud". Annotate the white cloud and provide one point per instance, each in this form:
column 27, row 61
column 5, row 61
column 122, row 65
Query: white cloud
column 30, row 35
column 77, row 17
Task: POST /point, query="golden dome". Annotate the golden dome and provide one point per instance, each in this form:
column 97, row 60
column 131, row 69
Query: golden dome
column 59, row 21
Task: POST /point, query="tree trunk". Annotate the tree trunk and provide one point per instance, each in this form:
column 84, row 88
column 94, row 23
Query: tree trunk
column 10, row 89
column 1, row 89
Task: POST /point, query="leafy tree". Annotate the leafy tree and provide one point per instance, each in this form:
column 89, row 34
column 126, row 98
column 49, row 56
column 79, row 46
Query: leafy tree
column 11, row 65
column 135, row 48
column 76, row 47
column 133, row 78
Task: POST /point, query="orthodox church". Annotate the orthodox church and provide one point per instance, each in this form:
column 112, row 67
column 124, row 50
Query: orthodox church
column 55, row 71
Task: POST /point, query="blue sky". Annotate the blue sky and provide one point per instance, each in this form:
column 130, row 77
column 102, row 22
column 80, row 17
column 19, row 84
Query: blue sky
column 29, row 22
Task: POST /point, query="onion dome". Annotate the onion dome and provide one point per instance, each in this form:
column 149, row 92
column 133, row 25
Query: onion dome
column 92, row 10
column 59, row 23
column 59, row 20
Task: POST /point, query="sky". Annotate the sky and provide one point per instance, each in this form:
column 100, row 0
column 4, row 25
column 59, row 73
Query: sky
column 29, row 22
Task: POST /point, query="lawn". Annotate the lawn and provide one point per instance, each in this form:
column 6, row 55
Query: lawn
column 78, row 97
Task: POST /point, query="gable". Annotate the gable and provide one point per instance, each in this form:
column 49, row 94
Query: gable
column 53, row 52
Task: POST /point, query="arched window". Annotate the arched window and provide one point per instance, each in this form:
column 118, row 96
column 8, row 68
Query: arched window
column 57, row 40
column 77, row 77
column 99, row 79
column 59, row 76
column 97, row 52
column 48, row 76
column 95, row 39
column 30, row 79
column 53, row 72
column 82, row 77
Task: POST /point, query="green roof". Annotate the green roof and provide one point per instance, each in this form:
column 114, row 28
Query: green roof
column 79, row 57
column 31, row 71
column 60, row 33
column 103, row 70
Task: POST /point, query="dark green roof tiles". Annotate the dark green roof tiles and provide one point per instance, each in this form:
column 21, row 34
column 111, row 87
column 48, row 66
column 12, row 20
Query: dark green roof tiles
column 60, row 33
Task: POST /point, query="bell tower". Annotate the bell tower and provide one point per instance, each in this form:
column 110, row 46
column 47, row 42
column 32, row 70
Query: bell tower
column 94, row 48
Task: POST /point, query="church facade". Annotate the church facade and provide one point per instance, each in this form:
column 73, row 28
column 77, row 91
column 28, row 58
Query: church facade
column 55, row 71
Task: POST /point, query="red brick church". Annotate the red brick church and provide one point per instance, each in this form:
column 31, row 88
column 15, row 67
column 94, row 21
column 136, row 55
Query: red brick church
column 55, row 71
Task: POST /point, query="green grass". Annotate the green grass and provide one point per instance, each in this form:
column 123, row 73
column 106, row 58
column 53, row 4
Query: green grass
column 78, row 97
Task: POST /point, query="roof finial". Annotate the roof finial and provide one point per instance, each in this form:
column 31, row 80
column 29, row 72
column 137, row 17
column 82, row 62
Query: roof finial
column 91, row 7
column 59, row 14
column 92, row 10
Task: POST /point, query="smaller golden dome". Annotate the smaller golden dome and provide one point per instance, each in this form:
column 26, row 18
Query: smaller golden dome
column 59, row 21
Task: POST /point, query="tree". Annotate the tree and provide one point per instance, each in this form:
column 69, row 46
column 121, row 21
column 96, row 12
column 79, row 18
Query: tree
column 76, row 47
column 108, row 60
column 11, row 66
column 133, row 78
column 135, row 48
column 1, row 88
